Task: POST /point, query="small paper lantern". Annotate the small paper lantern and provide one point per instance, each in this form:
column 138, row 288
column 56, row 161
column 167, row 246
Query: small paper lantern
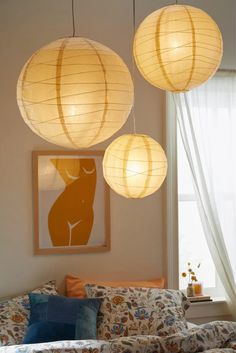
column 134, row 165
column 75, row 92
column 178, row 47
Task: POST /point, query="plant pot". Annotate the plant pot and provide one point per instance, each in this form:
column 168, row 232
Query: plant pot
column 190, row 290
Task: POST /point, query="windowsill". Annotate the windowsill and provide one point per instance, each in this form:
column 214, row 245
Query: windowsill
column 215, row 300
column 201, row 312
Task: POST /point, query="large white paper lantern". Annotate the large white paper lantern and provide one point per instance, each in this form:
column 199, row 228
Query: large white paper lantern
column 75, row 92
column 134, row 165
column 178, row 47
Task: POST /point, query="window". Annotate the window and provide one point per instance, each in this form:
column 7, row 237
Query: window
column 192, row 243
column 185, row 236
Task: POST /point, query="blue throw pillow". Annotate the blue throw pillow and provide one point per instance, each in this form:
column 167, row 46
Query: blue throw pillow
column 87, row 328
column 81, row 314
column 44, row 331
column 38, row 307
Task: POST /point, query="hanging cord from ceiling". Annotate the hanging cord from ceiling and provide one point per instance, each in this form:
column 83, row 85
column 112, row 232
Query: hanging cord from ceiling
column 133, row 66
column 73, row 18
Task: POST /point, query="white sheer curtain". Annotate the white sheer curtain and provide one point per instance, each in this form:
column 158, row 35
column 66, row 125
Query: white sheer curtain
column 207, row 122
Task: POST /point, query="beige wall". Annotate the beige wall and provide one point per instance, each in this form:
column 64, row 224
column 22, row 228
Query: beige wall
column 137, row 228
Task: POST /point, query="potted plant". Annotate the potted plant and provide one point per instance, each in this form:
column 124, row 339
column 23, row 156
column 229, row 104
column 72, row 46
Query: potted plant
column 190, row 275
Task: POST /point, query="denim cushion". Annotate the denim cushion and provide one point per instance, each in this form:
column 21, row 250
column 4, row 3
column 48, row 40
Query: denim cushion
column 81, row 314
column 45, row 331
column 38, row 307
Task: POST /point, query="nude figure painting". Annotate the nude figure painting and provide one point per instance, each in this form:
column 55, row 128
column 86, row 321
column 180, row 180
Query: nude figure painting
column 71, row 202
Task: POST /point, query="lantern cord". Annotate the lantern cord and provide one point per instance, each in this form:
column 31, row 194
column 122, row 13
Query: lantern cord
column 133, row 67
column 73, row 18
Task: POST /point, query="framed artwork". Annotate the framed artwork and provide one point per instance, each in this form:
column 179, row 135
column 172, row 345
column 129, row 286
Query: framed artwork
column 71, row 202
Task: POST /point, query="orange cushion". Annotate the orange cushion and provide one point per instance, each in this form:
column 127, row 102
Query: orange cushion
column 75, row 285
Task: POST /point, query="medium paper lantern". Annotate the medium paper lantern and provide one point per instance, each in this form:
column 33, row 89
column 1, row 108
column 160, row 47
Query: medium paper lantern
column 134, row 165
column 75, row 92
column 178, row 47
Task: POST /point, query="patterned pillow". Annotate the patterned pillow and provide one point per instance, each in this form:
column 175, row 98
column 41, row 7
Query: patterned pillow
column 139, row 311
column 14, row 315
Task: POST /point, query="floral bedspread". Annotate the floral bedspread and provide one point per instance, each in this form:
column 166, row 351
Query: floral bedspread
column 215, row 337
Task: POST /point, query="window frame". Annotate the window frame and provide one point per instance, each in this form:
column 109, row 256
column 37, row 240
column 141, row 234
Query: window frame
column 172, row 237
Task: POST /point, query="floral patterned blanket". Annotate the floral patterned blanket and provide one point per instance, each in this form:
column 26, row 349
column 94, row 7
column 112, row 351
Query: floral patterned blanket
column 215, row 337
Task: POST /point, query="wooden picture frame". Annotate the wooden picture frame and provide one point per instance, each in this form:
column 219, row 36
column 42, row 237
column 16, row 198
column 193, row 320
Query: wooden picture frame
column 71, row 203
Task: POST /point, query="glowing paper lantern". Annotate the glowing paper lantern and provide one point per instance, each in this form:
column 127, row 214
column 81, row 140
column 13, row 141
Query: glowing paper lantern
column 134, row 165
column 75, row 92
column 178, row 48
